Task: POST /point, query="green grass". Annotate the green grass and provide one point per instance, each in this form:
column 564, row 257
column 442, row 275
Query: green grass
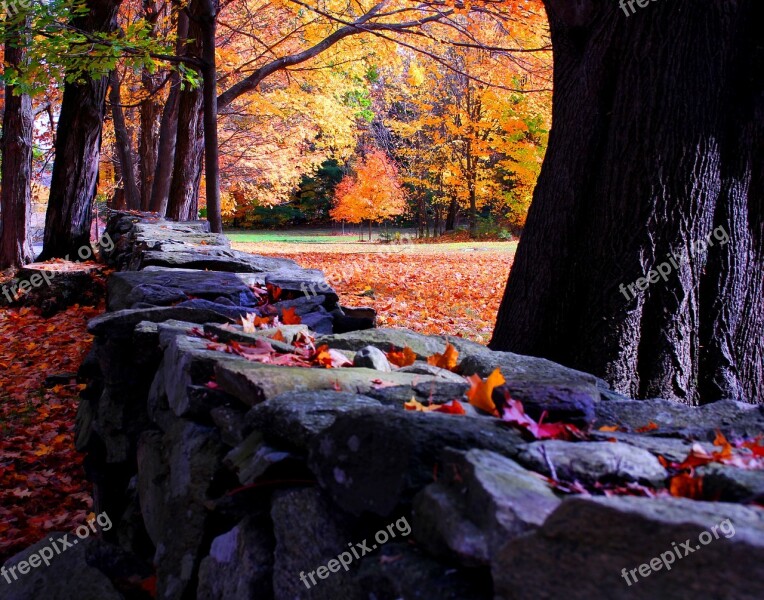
column 290, row 237
column 322, row 240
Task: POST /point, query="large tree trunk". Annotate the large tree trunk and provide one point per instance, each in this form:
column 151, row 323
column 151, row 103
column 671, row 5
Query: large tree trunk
column 189, row 146
column 123, row 145
column 168, row 127
column 78, row 148
column 208, row 23
column 15, row 198
column 657, row 145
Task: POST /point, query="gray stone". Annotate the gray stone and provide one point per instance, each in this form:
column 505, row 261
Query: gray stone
column 734, row 419
column 198, row 284
column 585, row 547
column 422, row 368
column 481, row 501
column 321, row 323
column 152, row 483
column 402, row 571
column 292, row 420
column 732, row 484
column 253, row 382
column 240, row 563
column 253, row 457
column 231, row 423
column 123, row 322
column 372, row 358
column 194, row 455
column 673, row 449
column 371, row 460
column 234, row 313
column 231, row 332
column 68, row 574
column 151, row 293
column 213, row 259
column 386, row 339
column 309, row 532
column 593, row 461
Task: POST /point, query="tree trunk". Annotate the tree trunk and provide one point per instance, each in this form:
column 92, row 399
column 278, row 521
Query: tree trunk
column 150, row 114
column 78, row 148
column 657, row 150
column 208, row 23
column 189, row 147
column 16, row 196
column 123, row 145
column 168, row 129
column 453, row 207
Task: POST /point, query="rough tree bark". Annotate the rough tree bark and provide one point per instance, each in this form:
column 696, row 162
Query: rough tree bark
column 15, row 198
column 78, row 141
column 189, row 145
column 123, row 145
column 208, row 24
column 168, row 127
column 657, row 145
column 150, row 114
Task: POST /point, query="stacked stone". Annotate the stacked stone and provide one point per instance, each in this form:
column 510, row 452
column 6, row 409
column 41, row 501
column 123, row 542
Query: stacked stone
column 236, row 479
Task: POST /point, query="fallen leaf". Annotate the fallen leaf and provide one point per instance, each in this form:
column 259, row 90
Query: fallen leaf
column 480, row 393
column 447, row 360
column 402, row 358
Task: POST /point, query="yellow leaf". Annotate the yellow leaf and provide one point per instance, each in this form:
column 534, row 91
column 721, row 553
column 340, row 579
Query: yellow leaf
column 480, row 392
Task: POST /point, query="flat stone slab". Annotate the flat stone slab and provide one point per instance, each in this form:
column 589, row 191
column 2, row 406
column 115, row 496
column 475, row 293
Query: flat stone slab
column 214, row 259
column 254, row 382
column 628, row 547
column 734, row 419
column 126, row 288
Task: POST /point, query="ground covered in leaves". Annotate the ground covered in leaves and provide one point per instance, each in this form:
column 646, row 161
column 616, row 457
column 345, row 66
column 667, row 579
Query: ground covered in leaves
column 455, row 293
column 42, row 480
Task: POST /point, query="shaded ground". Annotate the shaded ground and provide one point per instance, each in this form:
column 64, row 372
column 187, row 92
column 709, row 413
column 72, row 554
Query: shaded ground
column 441, row 288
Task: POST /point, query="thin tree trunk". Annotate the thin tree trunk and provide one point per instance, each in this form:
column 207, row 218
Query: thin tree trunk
column 78, row 148
column 453, row 208
column 168, row 128
column 211, row 150
column 16, row 197
column 189, row 147
column 657, row 150
column 150, row 114
column 123, row 145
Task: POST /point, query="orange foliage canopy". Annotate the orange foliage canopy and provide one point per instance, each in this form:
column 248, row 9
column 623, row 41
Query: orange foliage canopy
column 373, row 194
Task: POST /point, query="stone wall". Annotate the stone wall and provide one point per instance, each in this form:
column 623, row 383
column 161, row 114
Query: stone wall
column 235, row 479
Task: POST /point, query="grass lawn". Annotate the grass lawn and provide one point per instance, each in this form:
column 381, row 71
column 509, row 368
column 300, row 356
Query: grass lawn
column 450, row 288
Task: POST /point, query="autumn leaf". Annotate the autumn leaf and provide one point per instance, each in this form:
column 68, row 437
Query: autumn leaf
column 402, row 358
column 686, row 486
column 451, row 408
column 289, row 316
column 649, row 427
column 278, row 336
column 331, row 359
column 609, row 428
column 447, row 360
column 480, row 393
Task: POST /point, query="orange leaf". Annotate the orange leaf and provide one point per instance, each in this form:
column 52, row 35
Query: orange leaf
column 402, row 358
column 480, row 392
column 686, row 486
column 289, row 316
column 649, row 427
column 447, row 360
column 609, row 428
column 278, row 336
